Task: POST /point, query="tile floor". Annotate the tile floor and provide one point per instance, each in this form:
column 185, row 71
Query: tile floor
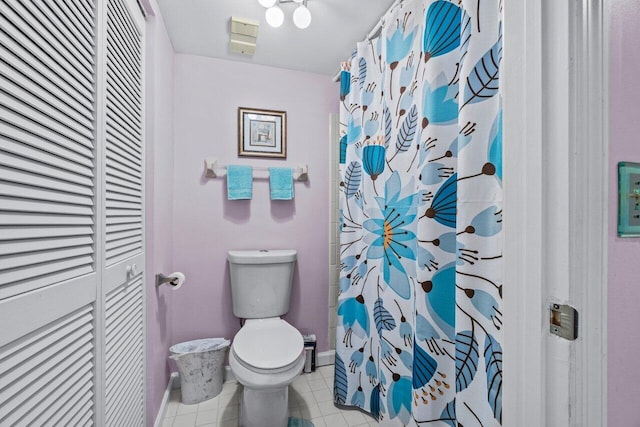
column 310, row 398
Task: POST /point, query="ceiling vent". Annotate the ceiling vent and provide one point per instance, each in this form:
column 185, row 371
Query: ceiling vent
column 243, row 36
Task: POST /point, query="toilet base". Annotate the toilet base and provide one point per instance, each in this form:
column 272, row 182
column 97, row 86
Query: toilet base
column 265, row 407
column 265, row 398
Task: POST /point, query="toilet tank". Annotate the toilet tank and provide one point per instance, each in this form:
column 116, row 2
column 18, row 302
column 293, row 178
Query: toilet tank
column 261, row 282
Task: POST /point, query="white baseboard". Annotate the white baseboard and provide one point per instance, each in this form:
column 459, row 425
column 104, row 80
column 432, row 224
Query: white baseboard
column 326, row 358
column 174, row 380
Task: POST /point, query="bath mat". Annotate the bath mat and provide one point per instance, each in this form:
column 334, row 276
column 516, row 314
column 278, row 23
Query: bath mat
column 298, row 422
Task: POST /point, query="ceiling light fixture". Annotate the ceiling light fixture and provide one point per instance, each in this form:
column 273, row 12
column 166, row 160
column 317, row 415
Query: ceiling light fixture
column 302, row 16
column 267, row 3
column 275, row 15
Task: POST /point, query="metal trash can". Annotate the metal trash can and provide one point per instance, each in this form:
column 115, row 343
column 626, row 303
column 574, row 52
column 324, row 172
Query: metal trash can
column 201, row 367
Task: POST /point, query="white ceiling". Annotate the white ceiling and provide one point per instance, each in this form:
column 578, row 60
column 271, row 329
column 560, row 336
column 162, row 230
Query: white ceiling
column 201, row 27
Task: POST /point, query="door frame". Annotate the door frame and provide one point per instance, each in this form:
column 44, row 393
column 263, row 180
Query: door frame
column 579, row 194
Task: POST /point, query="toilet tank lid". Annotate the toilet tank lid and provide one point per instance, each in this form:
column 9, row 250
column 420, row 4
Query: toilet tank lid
column 262, row 256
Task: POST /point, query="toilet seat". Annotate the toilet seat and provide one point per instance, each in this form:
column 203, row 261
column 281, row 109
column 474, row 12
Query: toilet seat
column 268, row 345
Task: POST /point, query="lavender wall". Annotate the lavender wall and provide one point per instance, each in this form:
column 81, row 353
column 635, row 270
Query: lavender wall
column 206, row 225
column 159, row 213
column 624, row 286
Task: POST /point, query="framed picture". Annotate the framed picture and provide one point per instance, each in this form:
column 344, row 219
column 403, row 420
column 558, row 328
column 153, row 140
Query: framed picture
column 262, row 133
column 629, row 199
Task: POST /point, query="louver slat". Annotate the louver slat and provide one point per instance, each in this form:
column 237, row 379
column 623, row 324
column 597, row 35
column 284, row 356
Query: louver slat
column 116, row 190
column 125, row 220
column 41, row 161
column 29, row 192
column 124, row 324
column 48, row 256
column 50, row 24
column 128, row 38
column 38, row 125
column 41, row 171
column 10, row 276
column 10, row 290
column 19, row 86
column 121, row 161
column 40, row 182
column 10, row 218
column 15, row 112
column 82, row 36
column 68, row 334
column 41, row 38
column 129, row 128
column 25, row 44
column 124, row 354
column 124, row 137
column 124, row 126
column 117, row 179
column 115, row 228
column 47, row 132
column 44, row 142
column 126, row 63
column 49, row 368
column 17, row 234
column 129, row 33
column 70, row 405
column 17, row 205
column 118, row 254
column 84, row 12
column 33, row 246
column 117, row 103
column 34, row 82
column 119, row 196
column 22, row 59
column 79, row 418
column 125, row 410
column 113, row 204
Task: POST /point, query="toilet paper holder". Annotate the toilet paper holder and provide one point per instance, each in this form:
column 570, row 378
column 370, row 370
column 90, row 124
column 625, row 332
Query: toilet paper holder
column 162, row 279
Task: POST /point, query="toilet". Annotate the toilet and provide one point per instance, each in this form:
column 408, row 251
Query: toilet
column 267, row 354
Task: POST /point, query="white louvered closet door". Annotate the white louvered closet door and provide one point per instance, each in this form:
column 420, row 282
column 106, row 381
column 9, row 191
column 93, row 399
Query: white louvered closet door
column 71, row 209
column 48, row 275
column 123, row 216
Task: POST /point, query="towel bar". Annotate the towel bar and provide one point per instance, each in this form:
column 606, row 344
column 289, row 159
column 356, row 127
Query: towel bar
column 211, row 166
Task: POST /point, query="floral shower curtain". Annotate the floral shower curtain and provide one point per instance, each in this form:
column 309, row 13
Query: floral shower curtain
column 419, row 335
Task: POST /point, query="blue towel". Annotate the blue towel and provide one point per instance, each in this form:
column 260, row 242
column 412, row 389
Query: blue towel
column 281, row 183
column 239, row 182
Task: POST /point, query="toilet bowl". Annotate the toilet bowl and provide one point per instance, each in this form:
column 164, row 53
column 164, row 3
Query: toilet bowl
column 267, row 354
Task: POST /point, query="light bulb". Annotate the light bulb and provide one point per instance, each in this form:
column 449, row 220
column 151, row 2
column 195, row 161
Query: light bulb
column 302, row 17
column 275, row 16
column 267, row 3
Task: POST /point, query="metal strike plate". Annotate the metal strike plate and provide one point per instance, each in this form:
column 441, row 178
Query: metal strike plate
column 563, row 321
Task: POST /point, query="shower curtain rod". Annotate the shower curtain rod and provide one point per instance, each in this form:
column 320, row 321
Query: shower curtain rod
column 375, row 31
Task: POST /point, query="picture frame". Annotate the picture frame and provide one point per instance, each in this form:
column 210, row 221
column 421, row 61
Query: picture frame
column 629, row 199
column 262, row 133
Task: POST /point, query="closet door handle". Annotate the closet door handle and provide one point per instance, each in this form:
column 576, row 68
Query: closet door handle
column 132, row 270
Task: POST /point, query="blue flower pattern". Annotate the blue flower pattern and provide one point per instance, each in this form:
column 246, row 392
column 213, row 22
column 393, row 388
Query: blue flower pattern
column 419, row 334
